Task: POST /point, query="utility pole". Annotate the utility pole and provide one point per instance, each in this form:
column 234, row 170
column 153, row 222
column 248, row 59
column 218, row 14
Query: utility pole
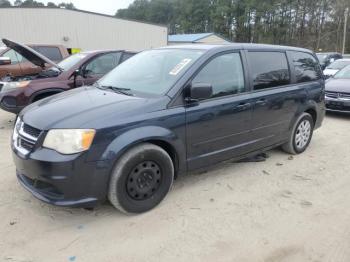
column 346, row 14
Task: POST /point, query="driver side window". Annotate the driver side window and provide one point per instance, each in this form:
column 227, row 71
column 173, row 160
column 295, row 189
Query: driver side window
column 14, row 56
column 224, row 73
column 103, row 64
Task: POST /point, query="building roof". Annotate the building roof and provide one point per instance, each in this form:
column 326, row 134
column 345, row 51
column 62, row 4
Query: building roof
column 188, row 37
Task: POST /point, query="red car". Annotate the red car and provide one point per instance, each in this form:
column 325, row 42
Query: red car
column 77, row 70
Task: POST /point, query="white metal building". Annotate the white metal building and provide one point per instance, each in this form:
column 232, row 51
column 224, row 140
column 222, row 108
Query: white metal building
column 79, row 29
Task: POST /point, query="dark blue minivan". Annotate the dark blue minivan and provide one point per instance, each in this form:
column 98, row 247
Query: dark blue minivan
column 162, row 113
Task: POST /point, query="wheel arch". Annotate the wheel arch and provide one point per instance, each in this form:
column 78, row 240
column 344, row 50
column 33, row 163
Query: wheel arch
column 309, row 107
column 160, row 136
column 312, row 111
column 47, row 92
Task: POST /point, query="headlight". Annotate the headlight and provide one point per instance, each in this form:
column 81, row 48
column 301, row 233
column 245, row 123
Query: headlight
column 8, row 86
column 69, row 141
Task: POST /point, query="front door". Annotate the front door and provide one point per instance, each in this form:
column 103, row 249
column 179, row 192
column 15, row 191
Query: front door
column 218, row 128
column 98, row 67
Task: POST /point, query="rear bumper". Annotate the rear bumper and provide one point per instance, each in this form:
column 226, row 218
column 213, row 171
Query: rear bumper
column 63, row 180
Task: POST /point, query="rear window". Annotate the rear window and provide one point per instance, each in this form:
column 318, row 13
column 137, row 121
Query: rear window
column 306, row 67
column 53, row 53
column 269, row 69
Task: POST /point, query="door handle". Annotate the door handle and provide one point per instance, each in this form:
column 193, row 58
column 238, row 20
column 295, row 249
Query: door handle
column 242, row 107
column 261, row 102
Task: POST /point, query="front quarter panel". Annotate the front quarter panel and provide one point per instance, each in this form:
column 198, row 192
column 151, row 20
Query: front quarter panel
column 167, row 126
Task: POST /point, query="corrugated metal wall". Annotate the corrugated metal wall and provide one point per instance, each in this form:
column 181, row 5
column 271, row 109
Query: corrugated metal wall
column 84, row 30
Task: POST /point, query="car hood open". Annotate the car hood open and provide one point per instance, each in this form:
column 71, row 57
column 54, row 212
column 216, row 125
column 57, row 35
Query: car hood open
column 30, row 54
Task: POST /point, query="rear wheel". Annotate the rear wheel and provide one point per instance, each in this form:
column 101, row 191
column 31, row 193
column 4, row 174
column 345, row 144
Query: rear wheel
column 301, row 135
column 141, row 179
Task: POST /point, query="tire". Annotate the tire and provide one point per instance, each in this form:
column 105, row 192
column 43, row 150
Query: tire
column 304, row 123
column 141, row 179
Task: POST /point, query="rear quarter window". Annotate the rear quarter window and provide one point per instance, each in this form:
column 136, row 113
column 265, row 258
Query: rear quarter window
column 126, row 56
column 268, row 69
column 306, row 67
column 51, row 52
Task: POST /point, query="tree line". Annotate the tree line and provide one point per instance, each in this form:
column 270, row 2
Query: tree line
column 33, row 3
column 314, row 24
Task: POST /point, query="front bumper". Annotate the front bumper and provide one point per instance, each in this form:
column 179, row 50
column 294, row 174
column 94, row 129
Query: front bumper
column 63, row 180
column 9, row 102
column 338, row 105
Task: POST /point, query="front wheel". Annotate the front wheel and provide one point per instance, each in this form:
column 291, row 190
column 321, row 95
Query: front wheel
column 301, row 135
column 141, row 179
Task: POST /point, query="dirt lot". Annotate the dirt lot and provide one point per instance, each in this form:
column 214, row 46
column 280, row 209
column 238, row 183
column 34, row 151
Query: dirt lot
column 284, row 209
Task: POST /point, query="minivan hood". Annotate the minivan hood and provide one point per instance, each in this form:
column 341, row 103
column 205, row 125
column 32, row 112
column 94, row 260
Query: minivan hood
column 30, row 54
column 85, row 107
column 338, row 85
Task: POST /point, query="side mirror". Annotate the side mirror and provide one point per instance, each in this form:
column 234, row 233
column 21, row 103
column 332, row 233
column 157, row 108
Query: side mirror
column 5, row 61
column 331, row 60
column 86, row 73
column 77, row 72
column 199, row 91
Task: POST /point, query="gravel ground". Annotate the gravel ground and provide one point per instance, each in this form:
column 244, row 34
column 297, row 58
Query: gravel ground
column 284, row 209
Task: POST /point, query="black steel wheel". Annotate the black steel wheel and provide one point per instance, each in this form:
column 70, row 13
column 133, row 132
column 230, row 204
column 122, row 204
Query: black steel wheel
column 141, row 179
column 144, row 180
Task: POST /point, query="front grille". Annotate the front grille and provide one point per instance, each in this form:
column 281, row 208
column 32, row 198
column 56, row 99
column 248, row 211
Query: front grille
column 332, row 94
column 26, row 144
column 338, row 95
column 345, row 95
column 25, row 137
column 34, row 132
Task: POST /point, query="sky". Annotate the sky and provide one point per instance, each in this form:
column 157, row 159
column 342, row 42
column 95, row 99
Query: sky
column 109, row 7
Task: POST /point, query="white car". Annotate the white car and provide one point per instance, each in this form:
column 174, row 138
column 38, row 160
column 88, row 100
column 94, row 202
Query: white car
column 337, row 65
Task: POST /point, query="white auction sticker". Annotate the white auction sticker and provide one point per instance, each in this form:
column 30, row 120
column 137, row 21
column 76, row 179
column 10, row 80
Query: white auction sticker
column 180, row 66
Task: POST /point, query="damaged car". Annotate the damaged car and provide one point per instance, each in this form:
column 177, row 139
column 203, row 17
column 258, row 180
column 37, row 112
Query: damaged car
column 16, row 92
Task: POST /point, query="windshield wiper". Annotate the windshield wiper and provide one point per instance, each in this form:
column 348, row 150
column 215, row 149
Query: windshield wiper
column 124, row 91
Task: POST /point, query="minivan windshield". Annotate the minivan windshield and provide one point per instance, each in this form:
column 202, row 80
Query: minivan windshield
column 153, row 71
column 339, row 64
column 343, row 74
column 71, row 61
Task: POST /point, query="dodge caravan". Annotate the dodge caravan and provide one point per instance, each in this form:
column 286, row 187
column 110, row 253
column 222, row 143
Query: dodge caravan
column 162, row 113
